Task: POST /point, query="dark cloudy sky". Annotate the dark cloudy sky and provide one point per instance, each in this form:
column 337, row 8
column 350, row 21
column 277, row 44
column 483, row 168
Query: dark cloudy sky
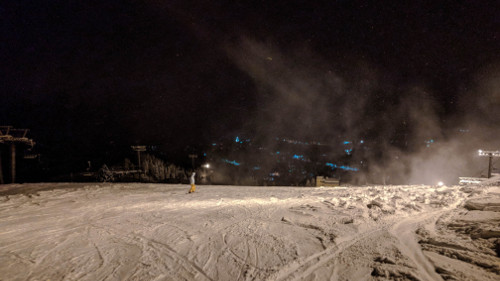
column 86, row 74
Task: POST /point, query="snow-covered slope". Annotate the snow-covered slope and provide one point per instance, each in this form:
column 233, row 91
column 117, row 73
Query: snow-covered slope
column 159, row 232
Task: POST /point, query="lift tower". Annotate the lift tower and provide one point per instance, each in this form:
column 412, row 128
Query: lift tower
column 11, row 138
column 489, row 154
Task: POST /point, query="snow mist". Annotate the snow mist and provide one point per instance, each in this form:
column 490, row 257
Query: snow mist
column 407, row 137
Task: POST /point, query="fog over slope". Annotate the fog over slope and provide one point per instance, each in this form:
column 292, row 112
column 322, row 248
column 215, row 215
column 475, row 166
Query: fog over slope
column 308, row 97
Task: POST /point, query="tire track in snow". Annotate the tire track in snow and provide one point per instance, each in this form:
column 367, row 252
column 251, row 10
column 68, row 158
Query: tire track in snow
column 302, row 268
column 245, row 263
column 249, row 216
column 41, row 259
column 404, row 231
column 227, row 247
column 178, row 258
column 246, row 225
column 99, row 253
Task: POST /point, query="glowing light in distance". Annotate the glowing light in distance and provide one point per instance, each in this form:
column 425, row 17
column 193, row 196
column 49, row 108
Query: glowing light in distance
column 231, row 162
column 440, row 183
column 345, row 168
column 206, row 166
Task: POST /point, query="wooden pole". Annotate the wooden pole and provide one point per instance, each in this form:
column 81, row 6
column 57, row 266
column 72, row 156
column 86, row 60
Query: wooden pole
column 13, row 163
column 489, row 166
column 1, row 171
column 193, row 156
column 139, row 148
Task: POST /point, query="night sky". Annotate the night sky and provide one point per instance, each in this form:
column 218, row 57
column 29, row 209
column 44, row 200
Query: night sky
column 87, row 76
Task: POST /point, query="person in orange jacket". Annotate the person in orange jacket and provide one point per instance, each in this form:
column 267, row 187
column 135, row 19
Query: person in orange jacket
column 191, row 181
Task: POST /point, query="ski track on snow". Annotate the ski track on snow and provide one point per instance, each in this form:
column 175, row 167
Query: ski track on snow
column 157, row 232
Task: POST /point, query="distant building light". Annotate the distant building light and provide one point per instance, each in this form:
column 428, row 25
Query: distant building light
column 345, row 168
column 468, row 180
column 232, row 162
column 429, row 142
column 489, row 153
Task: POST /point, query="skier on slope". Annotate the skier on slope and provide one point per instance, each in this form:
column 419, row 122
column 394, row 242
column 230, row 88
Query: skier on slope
column 191, row 181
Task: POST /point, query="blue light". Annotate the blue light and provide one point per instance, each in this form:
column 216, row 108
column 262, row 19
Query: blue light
column 347, row 142
column 429, row 142
column 237, row 139
column 277, row 152
column 362, row 141
column 345, row 168
column 256, row 168
column 295, row 156
column 348, row 151
column 331, row 165
column 231, row 162
column 214, row 144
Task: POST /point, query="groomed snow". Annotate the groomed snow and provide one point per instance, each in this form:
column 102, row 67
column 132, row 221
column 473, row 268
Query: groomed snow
column 76, row 231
